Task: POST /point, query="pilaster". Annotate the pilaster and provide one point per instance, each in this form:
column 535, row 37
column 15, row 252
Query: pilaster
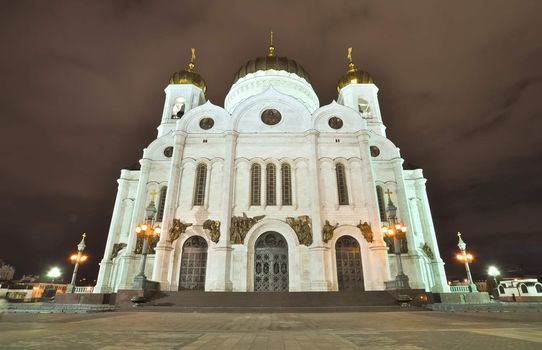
column 104, row 275
column 378, row 248
column 164, row 248
column 220, row 259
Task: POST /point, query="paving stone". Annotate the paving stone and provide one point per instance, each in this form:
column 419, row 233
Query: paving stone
column 297, row 331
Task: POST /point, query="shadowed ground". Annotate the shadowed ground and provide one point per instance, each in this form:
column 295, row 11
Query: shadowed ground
column 356, row 330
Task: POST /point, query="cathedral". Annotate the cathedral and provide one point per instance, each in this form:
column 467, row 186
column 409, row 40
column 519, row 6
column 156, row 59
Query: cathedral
column 272, row 192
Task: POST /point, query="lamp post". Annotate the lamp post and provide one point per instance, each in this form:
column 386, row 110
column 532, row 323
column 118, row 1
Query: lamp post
column 146, row 231
column 395, row 230
column 466, row 258
column 494, row 272
column 53, row 273
column 77, row 259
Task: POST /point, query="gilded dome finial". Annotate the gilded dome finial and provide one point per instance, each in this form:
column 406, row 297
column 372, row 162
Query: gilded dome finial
column 351, row 66
column 271, row 50
column 191, row 65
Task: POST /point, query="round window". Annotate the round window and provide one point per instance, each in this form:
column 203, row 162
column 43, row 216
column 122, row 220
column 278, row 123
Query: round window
column 206, row 123
column 168, row 151
column 375, row 151
column 335, row 122
column 271, row 116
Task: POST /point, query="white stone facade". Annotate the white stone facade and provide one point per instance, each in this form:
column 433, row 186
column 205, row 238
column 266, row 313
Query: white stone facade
column 304, row 140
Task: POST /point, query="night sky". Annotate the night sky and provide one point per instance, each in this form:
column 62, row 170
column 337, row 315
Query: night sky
column 81, row 95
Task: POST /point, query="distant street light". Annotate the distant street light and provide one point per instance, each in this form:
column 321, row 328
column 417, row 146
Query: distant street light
column 53, row 273
column 494, row 272
column 466, row 258
column 77, row 259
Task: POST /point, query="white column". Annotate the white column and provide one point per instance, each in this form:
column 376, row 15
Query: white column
column 103, row 281
column 219, row 262
column 164, row 248
column 413, row 258
column 378, row 250
column 437, row 265
column 128, row 261
column 318, row 251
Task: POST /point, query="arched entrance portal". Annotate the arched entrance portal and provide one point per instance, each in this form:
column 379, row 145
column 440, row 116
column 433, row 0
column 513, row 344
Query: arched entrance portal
column 349, row 269
column 193, row 264
column 271, row 263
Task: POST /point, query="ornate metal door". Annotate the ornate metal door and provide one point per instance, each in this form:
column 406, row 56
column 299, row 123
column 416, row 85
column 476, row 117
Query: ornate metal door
column 193, row 264
column 349, row 268
column 271, row 263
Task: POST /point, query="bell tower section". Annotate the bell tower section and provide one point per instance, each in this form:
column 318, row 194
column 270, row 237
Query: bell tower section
column 186, row 90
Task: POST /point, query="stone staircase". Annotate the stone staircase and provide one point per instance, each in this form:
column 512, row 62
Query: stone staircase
column 199, row 301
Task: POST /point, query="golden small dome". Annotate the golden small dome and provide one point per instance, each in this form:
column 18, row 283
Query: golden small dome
column 271, row 62
column 353, row 75
column 189, row 76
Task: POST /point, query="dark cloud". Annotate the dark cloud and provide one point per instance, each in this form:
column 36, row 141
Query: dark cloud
column 82, row 94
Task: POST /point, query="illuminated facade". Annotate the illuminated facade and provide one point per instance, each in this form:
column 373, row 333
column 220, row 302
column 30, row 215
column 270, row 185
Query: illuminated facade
column 282, row 194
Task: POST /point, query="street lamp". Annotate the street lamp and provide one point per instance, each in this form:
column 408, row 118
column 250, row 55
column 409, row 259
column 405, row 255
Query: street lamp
column 394, row 230
column 77, row 259
column 147, row 231
column 53, row 273
column 494, row 272
column 466, row 258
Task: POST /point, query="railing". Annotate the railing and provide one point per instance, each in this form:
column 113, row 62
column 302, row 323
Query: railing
column 459, row 289
column 83, row 289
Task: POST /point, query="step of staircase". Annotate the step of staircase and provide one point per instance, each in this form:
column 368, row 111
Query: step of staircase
column 200, row 301
column 281, row 299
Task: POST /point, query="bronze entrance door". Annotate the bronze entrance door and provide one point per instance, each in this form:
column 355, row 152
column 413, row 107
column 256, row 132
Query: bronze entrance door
column 349, row 269
column 271, row 263
column 193, row 264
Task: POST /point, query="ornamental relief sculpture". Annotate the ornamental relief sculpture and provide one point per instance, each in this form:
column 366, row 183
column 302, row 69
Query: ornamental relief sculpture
column 427, row 250
column 240, row 225
column 214, row 229
column 177, row 229
column 117, row 247
column 328, row 230
column 153, row 241
column 302, row 227
column 366, row 231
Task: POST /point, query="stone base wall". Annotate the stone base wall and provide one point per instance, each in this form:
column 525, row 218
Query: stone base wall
column 464, row 298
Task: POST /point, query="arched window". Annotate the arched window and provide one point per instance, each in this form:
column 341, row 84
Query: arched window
column 341, row 184
column 363, row 106
column 270, row 185
column 161, row 204
column 201, row 177
column 255, row 184
column 524, row 289
column 501, row 290
column 286, row 176
column 539, row 288
column 381, row 205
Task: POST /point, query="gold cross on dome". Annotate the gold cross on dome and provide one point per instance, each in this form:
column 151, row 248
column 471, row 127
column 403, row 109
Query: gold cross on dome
column 388, row 192
column 349, row 56
column 84, row 235
column 459, row 235
column 153, row 194
column 193, row 58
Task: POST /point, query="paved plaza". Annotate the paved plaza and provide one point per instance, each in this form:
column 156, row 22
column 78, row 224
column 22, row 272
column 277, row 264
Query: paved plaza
column 360, row 330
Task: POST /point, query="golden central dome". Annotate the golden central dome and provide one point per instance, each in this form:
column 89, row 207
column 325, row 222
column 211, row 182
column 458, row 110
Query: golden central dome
column 353, row 75
column 272, row 62
column 189, row 76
